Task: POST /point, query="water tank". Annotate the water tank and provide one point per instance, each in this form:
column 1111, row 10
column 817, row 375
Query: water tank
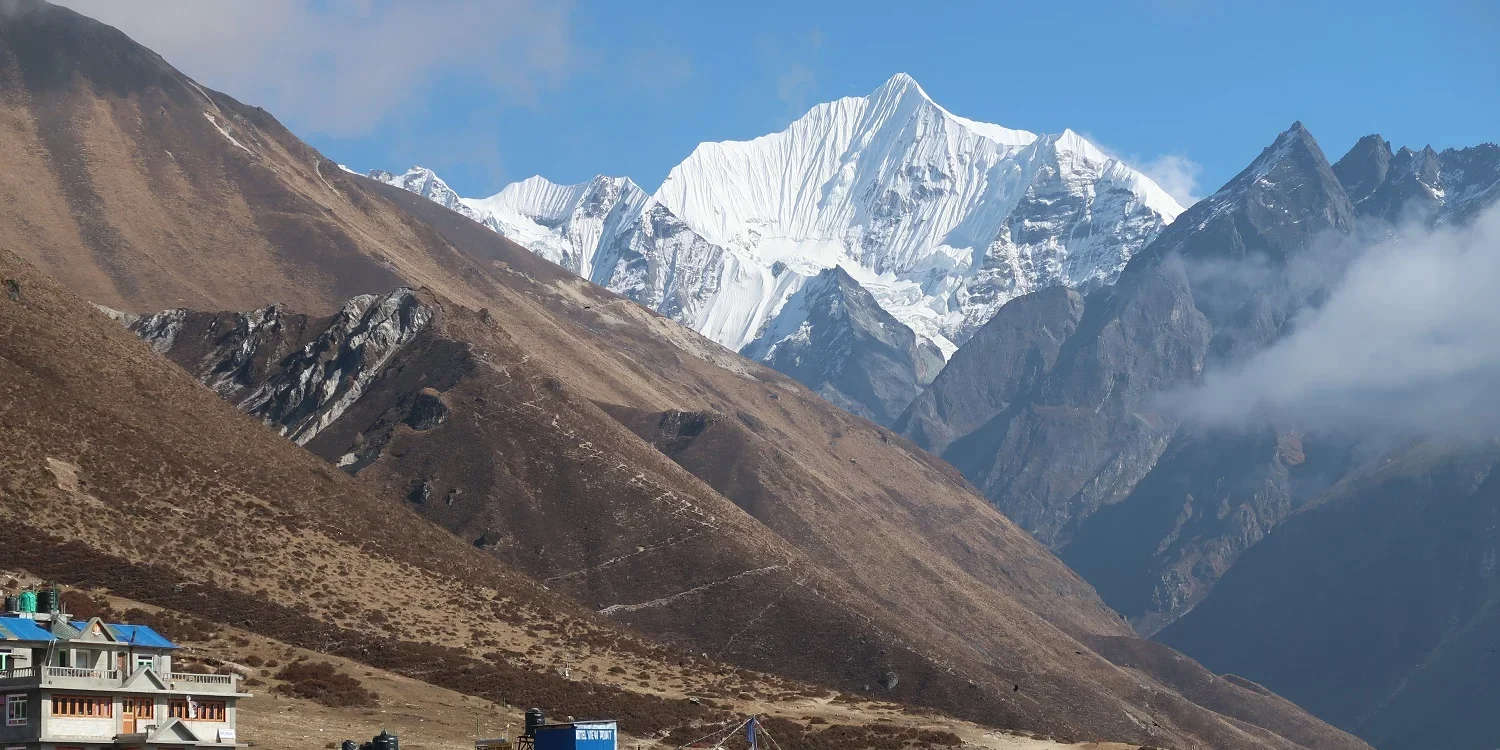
column 349, row 745
column 12, row 604
column 28, row 601
column 385, row 741
column 534, row 718
column 46, row 600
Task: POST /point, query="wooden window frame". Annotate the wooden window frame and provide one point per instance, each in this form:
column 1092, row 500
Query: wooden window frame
column 208, row 710
column 141, row 707
column 76, row 706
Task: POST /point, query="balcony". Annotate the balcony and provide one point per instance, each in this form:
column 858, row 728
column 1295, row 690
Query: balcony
column 79, row 677
column 203, row 683
column 23, row 674
column 80, row 673
column 104, row 679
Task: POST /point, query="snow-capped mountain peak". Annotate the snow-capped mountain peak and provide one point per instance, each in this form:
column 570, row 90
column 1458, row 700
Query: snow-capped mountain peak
column 901, row 86
column 537, row 196
column 564, row 223
column 808, row 182
column 941, row 218
column 426, row 183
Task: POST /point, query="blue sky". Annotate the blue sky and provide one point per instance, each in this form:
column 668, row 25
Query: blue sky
column 491, row 92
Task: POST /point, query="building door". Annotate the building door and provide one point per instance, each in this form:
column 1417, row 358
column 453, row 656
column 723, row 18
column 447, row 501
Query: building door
column 134, row 712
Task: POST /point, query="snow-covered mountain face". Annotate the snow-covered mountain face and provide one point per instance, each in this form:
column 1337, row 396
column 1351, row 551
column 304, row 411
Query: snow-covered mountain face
column 566, row 224
column 426, row 183
column 942, row 219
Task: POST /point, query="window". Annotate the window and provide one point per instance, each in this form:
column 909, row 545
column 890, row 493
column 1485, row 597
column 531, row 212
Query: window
column 15, row 710
column 140, row 708
column 145, row 660
column 85, row 706
column 191, row 710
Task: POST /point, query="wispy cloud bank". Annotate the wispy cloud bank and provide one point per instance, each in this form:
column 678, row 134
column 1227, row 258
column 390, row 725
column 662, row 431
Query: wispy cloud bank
column 791, row 61
column 340, row 66
column 1176, row 174
column 1405, row 345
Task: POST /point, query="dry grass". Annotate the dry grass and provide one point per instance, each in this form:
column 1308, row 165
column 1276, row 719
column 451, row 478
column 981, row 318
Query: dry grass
column 429, row 717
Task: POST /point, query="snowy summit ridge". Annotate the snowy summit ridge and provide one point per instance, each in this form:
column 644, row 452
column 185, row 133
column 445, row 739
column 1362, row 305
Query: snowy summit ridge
column 942, row 219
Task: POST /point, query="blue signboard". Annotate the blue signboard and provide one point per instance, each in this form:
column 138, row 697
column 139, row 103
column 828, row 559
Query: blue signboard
column 583, row 735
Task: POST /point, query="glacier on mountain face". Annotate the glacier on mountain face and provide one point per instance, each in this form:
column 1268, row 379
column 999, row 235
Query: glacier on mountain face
column 941, row 218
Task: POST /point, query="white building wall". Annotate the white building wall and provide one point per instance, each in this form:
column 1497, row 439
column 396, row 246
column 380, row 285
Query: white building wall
column 72, row 726
column 208, row 731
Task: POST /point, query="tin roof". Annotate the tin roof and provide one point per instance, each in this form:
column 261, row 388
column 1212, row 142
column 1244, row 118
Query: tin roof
column 22, row 629
column 139, row 635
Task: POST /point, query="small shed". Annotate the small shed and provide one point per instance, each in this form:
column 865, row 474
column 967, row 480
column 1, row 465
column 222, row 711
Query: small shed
column 577, row 735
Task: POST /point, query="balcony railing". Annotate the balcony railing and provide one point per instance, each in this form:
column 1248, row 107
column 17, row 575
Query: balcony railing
column 60, row 673
column 215, row 683
column 82, row 673
column 224, row 680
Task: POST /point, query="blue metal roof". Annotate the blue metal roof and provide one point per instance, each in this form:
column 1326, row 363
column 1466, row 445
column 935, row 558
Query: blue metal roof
column 22, row 629
column 140, row 635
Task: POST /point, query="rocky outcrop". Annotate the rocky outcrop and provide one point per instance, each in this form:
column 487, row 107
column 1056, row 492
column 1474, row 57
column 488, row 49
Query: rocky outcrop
column 835, row 339
column 317, row 384
column 994, row 370
column 1210, row 497
column 294, row 373
column 1423, row 186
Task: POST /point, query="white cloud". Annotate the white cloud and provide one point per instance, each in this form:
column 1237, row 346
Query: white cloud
column 1176, row 174
column 1405, row 345
column 339, row 66
column 791, row 59
column 794, row 85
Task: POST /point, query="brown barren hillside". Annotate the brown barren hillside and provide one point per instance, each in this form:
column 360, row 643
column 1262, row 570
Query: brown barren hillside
column 119, row 474
column 505, row 465
column 117, row 470
column 786, row 535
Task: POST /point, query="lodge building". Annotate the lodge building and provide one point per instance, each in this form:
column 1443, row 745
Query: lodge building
column 90, row 685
